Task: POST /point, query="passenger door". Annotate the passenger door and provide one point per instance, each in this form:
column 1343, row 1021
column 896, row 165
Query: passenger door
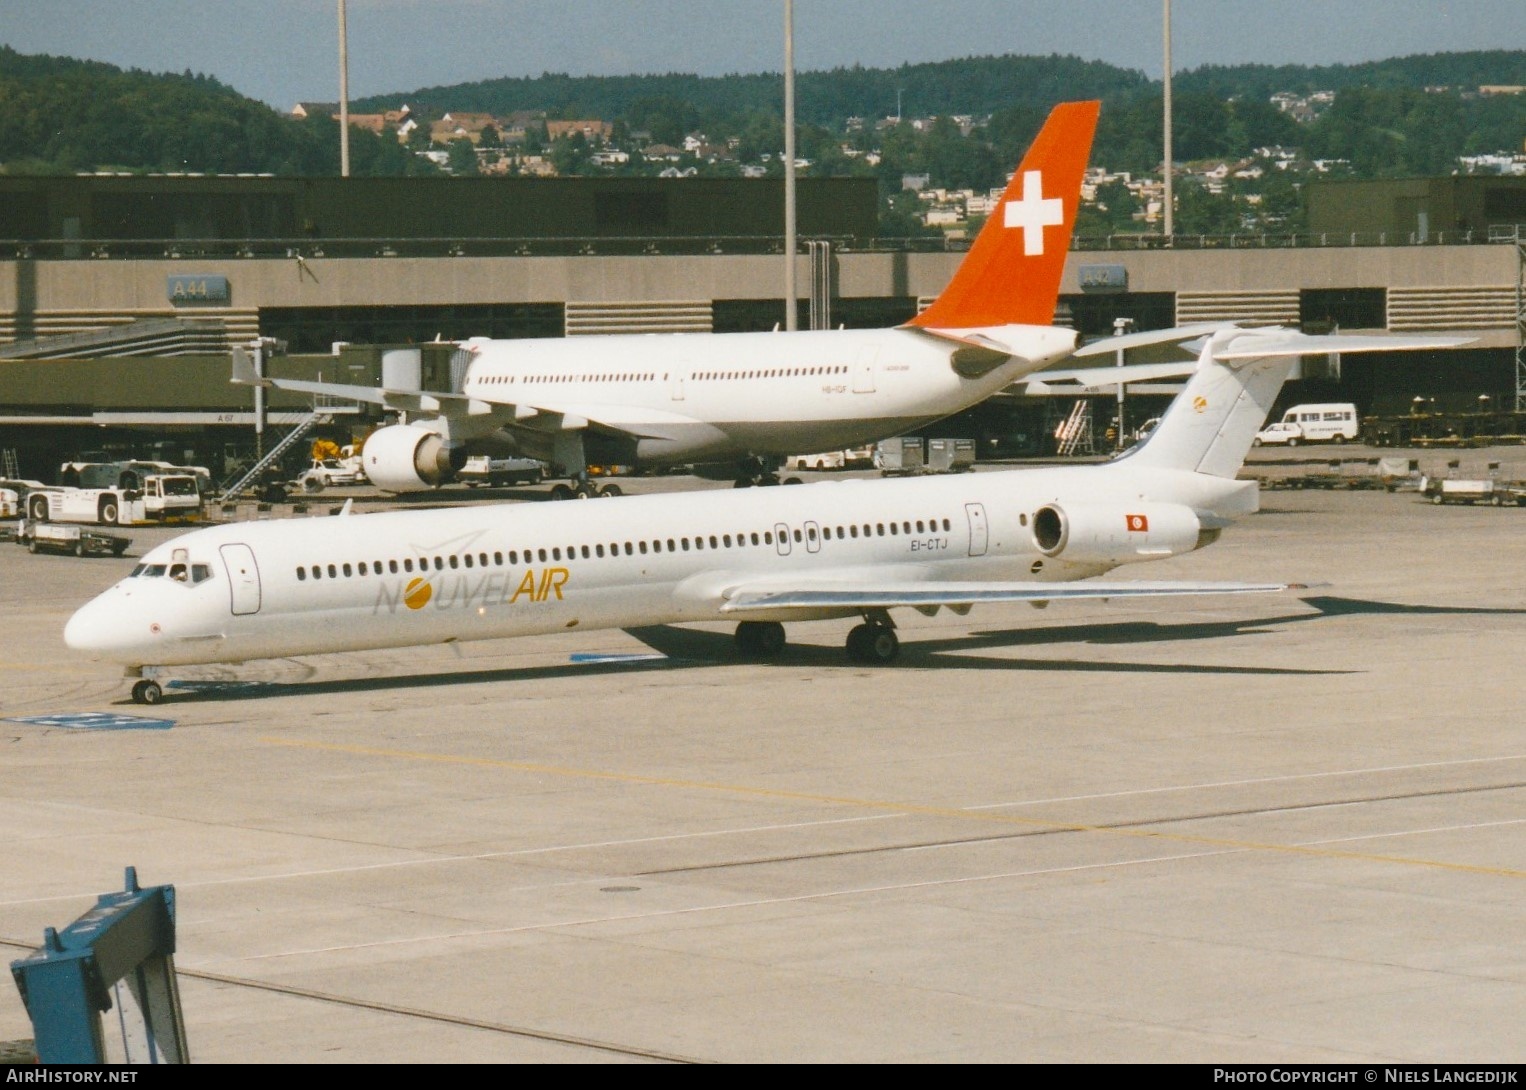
column 243, row 579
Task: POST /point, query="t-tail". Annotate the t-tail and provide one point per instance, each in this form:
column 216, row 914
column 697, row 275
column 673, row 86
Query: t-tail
column 1011, row 276
column 1210, row 426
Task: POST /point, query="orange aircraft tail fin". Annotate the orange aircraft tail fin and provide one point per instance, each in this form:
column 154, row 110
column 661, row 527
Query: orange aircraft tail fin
column 1011, row 274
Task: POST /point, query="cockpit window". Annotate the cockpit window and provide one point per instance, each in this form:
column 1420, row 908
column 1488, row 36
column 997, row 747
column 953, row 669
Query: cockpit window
column 180, row 571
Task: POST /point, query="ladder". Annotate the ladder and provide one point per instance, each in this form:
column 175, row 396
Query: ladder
column 305, row 425
column 1075, row 434
column 12, row 467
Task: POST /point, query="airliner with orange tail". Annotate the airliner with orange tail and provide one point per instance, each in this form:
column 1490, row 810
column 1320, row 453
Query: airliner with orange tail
column 737, row 403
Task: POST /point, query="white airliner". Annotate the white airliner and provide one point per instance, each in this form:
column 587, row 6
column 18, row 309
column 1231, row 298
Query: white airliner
column 735, row 404
column 833, row 550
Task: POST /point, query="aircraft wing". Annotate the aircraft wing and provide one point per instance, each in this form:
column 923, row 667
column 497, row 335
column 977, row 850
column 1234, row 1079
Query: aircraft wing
column 923, row 594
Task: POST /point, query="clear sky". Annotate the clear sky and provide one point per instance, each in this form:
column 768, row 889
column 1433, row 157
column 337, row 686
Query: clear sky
column 286, row 51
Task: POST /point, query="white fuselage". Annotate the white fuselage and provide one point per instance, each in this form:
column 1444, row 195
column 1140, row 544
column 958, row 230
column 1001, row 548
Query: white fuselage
column 695, row 397
column 352, row 582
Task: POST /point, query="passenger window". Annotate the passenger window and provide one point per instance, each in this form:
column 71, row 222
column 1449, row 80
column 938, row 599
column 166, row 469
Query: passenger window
column 454, row 562
column 407, row 563
column 362, row 567
column 392, row 566
column 468, row 559
column 333, row 572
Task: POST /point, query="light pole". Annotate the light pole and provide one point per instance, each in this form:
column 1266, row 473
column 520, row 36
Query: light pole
column 1120, row 327
column 1170, row 206
column 791, row 320
column 344, row 96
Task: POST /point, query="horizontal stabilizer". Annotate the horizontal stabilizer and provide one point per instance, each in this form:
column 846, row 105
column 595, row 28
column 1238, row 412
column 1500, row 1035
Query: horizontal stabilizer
column 1148, row 338
column 884, row 596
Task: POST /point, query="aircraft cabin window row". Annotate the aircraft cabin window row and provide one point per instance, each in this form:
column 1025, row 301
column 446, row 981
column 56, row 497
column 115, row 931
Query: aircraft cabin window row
column 701, row 376
column 543, row 554
column 496, row 380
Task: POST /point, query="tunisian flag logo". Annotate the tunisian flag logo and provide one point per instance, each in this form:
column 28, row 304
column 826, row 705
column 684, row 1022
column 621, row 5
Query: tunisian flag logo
column 1139, row 524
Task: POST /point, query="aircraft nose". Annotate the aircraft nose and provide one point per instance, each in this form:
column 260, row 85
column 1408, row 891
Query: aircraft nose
column 103, row 627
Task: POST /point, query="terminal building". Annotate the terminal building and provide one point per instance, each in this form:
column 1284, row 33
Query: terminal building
column 120, row 298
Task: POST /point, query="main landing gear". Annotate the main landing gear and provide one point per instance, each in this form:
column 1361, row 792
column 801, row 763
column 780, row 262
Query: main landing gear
column 874, row 642
column 757, row 472
column 585, row 490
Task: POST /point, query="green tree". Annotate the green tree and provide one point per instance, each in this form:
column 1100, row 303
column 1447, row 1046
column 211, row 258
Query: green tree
column 463, row 157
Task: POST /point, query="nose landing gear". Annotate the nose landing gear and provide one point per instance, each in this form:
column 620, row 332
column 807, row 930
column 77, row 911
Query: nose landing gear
column 147, row 692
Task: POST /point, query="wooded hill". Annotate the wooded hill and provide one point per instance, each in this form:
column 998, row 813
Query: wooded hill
column 62, row 115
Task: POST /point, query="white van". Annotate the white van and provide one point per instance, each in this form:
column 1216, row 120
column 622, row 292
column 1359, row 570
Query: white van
column 1332, row 423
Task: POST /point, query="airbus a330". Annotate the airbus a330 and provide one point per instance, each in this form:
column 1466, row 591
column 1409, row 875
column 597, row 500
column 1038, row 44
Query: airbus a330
column 735, row 404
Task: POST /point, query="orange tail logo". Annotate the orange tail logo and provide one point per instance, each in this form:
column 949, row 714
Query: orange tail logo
column 1011, row 276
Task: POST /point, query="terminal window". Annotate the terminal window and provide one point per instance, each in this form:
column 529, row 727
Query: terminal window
column 1343, row 308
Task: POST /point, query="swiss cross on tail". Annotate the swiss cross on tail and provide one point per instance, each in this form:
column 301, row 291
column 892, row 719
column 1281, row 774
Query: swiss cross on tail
column 1033, row 213
column 1011, row 276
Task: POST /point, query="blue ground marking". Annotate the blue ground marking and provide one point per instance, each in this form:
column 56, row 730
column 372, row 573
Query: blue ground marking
column 94, row 721
column 635, row 656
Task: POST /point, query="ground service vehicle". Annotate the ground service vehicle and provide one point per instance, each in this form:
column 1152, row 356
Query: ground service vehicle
column 65, row 538
column 1333, row 423
column 161, row 497
column 497, row 472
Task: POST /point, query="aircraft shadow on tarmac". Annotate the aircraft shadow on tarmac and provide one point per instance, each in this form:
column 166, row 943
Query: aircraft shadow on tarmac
column 687, row 648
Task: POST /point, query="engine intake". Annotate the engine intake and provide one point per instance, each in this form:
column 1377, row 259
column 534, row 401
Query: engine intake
column 408, row 458
column 1107, row 534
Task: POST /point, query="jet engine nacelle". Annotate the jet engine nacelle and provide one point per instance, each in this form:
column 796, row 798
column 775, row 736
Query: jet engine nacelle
column 408, row 458
column 1114, row 534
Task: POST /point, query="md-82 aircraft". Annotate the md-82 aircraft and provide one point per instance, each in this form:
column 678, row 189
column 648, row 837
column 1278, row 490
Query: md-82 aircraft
column 833, row 550
column 735, row 404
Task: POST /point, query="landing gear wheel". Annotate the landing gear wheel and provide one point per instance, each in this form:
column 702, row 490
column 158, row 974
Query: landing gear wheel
column 792, row 480
column 147, row 692
column 760, row 639
column 873, row 643
column 585, row 491
column 743, row 482
column 610, row 491
column 561, row 492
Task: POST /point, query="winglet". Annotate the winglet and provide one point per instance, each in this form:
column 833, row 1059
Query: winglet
column 1011, row 276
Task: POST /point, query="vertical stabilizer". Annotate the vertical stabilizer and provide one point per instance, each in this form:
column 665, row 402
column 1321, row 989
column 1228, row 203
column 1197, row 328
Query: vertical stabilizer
column 1011, row 276
column 1210, row 426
